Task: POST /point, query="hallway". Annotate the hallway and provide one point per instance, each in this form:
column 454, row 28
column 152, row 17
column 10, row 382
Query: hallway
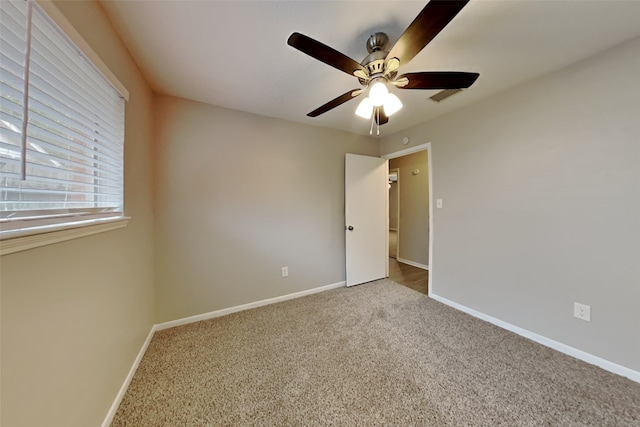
column 408, row 275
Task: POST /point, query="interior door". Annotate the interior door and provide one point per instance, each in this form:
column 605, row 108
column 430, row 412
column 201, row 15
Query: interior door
column 366, row 205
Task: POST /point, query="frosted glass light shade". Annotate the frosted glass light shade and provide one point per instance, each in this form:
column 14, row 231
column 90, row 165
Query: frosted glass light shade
column 378, row 93
column 365, row 109
column 392, row 104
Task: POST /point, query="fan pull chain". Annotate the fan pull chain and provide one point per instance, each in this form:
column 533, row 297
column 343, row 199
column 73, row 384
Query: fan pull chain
column 376, row 114
column 373, row 119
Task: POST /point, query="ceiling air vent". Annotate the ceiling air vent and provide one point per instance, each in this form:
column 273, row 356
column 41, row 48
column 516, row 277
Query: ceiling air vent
column 441, row 96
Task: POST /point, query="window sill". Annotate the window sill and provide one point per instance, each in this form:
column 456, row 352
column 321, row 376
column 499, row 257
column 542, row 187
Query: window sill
column 29, row 239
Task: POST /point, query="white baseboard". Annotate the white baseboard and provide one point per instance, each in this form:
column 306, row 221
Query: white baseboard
column 116, row 403
column 225, row 311
column 184, row 321
column 413, row 263
column 563, row 348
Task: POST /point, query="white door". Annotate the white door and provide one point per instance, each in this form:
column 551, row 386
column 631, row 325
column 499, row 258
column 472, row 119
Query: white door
column 366, row 208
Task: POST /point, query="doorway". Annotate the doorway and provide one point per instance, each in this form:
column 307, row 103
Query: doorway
column 410, row 184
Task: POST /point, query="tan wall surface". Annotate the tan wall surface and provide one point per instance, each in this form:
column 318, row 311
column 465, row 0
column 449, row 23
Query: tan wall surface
column 241, row 196
column 75, row 314
column 413, row 236
column 541, row 194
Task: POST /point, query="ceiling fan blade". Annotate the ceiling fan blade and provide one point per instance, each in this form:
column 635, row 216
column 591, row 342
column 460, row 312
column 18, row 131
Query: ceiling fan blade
column 324, row 53
column 380, row 117
column 429, row 22
column 438, row 80
column 335, row 102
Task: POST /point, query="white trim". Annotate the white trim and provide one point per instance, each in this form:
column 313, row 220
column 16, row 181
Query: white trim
column 431, row 199
column 125, row 385
column 562, row 348
column 248, row 306
column 386, row 235
column 413, row 263
column 407, row 151
column 47, row 236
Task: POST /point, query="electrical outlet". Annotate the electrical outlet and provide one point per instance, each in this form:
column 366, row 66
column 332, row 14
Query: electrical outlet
column 439, row 203
column 285, row 271
column 582, row 311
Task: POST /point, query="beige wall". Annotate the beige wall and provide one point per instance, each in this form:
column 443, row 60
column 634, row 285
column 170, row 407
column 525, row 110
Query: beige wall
column 541, row 196
column 239, row 197
column 413, row 234
column 75, row 314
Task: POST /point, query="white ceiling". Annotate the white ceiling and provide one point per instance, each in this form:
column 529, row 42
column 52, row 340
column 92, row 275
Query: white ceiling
column 234, row 53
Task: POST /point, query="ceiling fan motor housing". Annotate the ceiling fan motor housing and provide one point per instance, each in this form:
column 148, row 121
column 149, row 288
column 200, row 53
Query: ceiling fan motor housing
column 375, row 61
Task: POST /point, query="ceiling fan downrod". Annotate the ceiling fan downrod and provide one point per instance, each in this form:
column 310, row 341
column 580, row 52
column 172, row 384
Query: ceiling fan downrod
column 374, row 63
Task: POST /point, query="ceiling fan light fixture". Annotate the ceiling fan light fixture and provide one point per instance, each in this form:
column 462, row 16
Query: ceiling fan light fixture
column 378, row 93
column 392, row 104
column 365, row 109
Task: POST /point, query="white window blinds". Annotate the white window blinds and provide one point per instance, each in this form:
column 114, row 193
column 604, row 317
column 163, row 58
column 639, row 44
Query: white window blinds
column 62, row 132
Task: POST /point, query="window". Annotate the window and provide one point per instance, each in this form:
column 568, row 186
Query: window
column 61, row 127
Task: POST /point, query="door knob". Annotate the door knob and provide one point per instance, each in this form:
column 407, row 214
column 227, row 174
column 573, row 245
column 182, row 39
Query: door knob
column 350, row 228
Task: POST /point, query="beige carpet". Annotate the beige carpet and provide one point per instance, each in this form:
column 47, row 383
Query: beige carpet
column 376, row 354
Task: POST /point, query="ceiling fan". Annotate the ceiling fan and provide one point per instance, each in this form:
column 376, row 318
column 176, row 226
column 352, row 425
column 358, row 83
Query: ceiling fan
column 380, row 67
